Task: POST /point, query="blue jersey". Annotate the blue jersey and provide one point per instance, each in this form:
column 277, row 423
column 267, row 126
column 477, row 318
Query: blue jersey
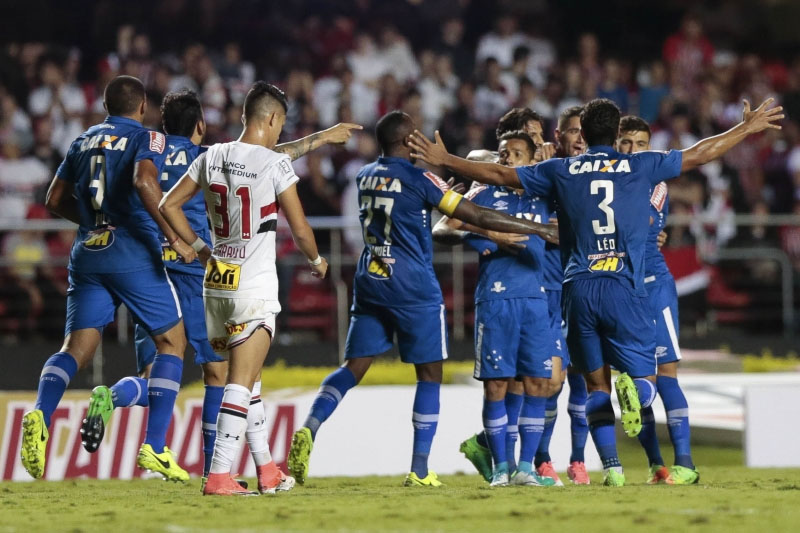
column 396, row 266
column 553, row 272
column 503, row 275
column 654, row 263
column 603, row 208
column 180, row 153
column 116, row 234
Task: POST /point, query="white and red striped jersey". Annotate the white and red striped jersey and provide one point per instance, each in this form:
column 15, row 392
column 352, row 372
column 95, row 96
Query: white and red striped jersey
column 241, row 183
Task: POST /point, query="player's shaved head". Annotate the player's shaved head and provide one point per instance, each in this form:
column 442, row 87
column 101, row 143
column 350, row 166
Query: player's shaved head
column 262, row 100
column 600, row 122
column 392, row 130
column 123, row 95
column 180, row 112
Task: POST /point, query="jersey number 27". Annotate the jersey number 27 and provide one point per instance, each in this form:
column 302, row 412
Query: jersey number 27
column 369, row 203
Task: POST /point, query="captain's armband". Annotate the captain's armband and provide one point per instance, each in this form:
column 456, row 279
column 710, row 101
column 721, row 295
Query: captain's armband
column 449, row 202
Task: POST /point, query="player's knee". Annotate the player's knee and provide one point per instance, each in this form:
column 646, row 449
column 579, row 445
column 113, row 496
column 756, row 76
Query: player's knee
column 554, row 385
column 215, row 374
column 495, row 389
column 430, row 372
column 669, row 370
column 536, row 386
column 359, row 366
column 171, row 342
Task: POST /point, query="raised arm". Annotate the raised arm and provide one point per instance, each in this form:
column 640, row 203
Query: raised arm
column 337, row 134
column 762, row 118
column 60, row 200
column 436, row 154
column 301, row 231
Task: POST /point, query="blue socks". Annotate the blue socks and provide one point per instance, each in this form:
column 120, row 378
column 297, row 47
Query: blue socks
column 677, row 419
column 494, row 428
column 576, row 407
column 165, row 381
column 129, row 391
column 550, row 414
column 513, row 408
column 531, row 426
column 212, row 400
column 425, row 419
column 331, row 392
column 646, row 390
column 647, row 437
column 56, row 375
column 600, row 415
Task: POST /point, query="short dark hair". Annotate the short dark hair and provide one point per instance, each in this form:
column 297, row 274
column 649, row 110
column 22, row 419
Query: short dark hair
column 600, row 122
column 634, row 123
column 515, row 120
column 123, row 95
column 521, row 136
column 392, row 128
column 180, row 112
column 568, row 113
column 261, row 99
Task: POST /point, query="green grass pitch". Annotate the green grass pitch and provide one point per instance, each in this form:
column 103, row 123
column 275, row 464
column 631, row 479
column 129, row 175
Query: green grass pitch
column 728, row 498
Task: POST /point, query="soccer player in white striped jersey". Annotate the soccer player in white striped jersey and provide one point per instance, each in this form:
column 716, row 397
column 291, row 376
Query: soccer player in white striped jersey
column 244, row 182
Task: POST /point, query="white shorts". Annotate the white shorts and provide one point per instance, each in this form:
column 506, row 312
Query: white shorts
column 231, row 321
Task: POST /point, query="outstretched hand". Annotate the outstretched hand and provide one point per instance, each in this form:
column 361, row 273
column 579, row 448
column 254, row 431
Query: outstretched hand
column 460, row 188
column 432, row 153
column 341, row 132
column 763, row 117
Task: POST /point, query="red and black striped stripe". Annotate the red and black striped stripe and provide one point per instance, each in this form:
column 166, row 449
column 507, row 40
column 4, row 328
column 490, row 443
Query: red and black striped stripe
column 233, row 409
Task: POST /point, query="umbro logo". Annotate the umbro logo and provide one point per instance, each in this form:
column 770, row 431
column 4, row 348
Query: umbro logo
column 498, row 287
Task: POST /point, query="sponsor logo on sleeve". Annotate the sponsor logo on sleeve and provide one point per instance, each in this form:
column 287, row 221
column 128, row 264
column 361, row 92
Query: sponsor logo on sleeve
column 659, row 196
column 436, row 180
column 157, row 142
column 285, row 167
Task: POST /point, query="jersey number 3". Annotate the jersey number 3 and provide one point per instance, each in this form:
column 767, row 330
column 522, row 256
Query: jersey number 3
column 605, row 206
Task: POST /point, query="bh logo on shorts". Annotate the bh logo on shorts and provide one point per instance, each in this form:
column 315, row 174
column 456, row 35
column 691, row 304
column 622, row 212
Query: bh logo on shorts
column 222, row 276
column 99, row 240
column 235, row 329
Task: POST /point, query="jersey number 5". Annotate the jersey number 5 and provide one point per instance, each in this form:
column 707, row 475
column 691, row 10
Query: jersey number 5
column 378, row 202
column 223, row 229
column 605, row 207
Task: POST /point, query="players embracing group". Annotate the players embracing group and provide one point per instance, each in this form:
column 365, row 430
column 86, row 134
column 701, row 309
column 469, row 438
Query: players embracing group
column 154, row 252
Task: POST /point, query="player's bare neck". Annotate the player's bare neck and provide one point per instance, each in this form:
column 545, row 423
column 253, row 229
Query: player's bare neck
column 257, row 136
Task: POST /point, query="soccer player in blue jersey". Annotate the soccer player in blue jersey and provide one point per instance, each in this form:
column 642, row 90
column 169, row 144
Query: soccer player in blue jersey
column 603, row 224
column 395, row 289
column 569, row 143
column 182, row 120
column 511, row 319
column 634, row 136
column 108, row 185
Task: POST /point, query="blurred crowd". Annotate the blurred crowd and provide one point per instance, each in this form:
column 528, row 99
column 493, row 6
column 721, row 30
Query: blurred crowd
column 338, row 67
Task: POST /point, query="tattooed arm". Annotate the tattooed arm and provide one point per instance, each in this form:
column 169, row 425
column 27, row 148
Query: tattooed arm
column 338, row 134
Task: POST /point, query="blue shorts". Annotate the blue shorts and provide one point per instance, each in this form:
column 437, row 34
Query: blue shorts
column 421, row 332
column 559, row 343
column 509, row 339
column 608, row 323
column 189, row 288
column 664, row 305
column 150, row 297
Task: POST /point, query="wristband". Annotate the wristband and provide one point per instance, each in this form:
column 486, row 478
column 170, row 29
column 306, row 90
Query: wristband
column 198, row 245
column 315, row 262
column 173, row 241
